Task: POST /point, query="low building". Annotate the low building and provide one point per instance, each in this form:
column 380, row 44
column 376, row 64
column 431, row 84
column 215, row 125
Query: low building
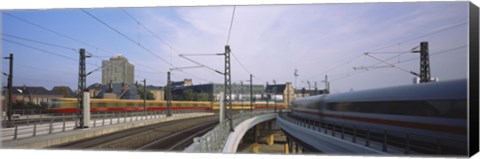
column 65, row 91
column 305, row 92
column 184, row 83
column 158, row 92
column 29, row 94
column 113, row 91
column 280, row 92
column 239, row 92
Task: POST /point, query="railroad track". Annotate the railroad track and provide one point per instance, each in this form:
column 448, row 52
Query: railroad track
column 180, row 140
column 172, row 135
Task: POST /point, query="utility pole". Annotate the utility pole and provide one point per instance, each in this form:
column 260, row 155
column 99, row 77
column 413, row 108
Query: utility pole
column 241, row 93
column 82, row 80
column 251, row 94
column 296, row 75
column 10, row 85
column 316, row 89
column 145, row 97
column 327, row 85
column 228, row 87
column 424, row 62
column 288, row 94
column 274, row 96
column 169, row 95
column 308, row 82
column 268, row 94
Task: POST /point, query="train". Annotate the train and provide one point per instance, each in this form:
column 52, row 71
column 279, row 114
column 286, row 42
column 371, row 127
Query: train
column 433, row 110
column 69, row 105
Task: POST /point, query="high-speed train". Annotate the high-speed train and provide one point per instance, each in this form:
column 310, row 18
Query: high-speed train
column 432, row 110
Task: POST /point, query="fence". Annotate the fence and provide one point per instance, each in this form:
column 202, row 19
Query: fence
column 382, row 139
column 214, row 140
column 41, row 124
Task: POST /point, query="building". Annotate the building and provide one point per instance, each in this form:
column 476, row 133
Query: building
column 117, row 70
column 280, row 92
column 29, row 94
column 184, row 83
column 65, row 91
column 158, row 92
column 114, row 91
column 213, row 91
column 239, row 92
column 306, row 92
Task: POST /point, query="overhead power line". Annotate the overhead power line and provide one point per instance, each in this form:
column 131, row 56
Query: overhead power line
column 69, row 48
column 236, row 59
column 421, row 36
column 395, row 44
column 53, row 31
column 126, row 37
column 151, row 32
column 44, row 51
column 231, row 24
column 436, row 53
column 200, row 64
column 336, row 67
column 432, row 54
column 40, row 42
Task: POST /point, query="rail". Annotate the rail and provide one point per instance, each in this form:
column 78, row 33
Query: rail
column 42, row 124
column 214, row 140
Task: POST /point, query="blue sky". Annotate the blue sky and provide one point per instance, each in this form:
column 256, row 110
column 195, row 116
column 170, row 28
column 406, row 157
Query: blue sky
column 269, row 40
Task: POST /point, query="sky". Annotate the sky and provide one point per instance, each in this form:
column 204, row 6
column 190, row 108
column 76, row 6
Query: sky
column 268, row 41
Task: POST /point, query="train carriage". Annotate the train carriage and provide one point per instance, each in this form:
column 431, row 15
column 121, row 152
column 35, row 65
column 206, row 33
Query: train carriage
column 69, row 105
column 432, row 110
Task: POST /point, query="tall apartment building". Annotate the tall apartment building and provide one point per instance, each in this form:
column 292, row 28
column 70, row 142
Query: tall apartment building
column 117, row 69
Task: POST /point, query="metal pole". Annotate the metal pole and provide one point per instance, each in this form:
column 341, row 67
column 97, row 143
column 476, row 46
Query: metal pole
column 10, row 85
column 228, row 86
column 241, row 93
column 275, row 96
column 267, row 93
column 81, row 87
column 327, row 85
column 144, row 96
column 169, row 95
column 424, row 63
column 288, row 96
column 251, row 94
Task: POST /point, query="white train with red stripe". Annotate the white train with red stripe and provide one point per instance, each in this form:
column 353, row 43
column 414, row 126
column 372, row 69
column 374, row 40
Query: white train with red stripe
column 436, row 110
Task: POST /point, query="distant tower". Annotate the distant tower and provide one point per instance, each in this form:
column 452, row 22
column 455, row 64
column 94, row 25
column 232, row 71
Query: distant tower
column 117, row 70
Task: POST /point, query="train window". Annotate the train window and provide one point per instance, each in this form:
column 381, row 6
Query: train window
column 438, row 108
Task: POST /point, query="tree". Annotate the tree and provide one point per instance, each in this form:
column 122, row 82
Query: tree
column 202, row 96
column 149, row 93
column 188, row 95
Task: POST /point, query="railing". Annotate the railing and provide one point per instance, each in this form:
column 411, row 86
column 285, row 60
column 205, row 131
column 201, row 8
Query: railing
column 383, row 139
column 214, row 140
column 53, row 123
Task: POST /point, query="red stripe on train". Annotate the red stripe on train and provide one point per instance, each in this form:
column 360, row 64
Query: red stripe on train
column 74, row 110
